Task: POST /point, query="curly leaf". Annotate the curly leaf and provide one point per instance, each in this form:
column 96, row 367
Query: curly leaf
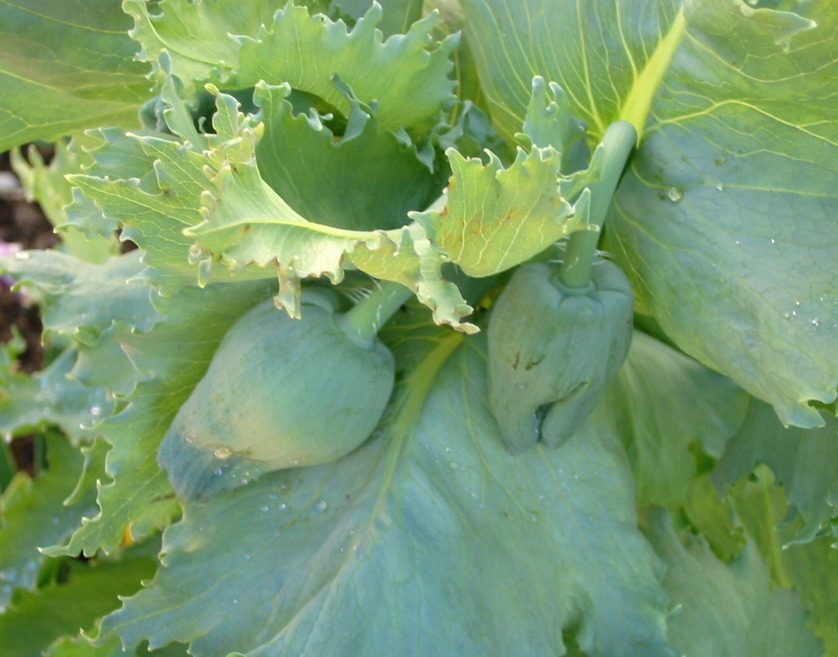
column 495, row 217
column 405, row 78
column 362, row 181
column 139, row 497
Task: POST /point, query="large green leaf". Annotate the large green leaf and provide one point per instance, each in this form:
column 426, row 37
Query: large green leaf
column 728, row 609
column 738, row 158
column 75, row 602
column 33, row 515
column 725, row 220
column 429, row 540
column 66, row 65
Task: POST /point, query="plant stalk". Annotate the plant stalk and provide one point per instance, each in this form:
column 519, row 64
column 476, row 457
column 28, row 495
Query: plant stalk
column 618, row 142
column 362, row 323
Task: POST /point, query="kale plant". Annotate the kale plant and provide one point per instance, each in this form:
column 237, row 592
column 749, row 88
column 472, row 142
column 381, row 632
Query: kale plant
column 467, row 328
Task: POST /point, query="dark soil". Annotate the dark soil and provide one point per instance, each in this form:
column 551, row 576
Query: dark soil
column 23, row 224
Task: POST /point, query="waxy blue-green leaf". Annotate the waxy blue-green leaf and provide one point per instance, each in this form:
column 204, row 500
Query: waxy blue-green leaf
column 66, row 65
column 725, row 220
column 803, row 460
column 66, row 287
column 430, row 540
column 33, row 515
column 397, row 15
column 139, row 498
column 50, row 397
column 666, row 403
column 727, row 609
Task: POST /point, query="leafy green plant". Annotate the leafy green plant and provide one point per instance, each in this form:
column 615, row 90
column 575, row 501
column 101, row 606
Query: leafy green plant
column 333, row 204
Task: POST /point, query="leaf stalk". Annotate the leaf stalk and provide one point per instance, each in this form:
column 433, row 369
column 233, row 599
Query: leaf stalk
column 618, row 141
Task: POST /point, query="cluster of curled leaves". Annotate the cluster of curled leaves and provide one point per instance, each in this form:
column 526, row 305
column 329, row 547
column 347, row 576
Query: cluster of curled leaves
column 253, row 150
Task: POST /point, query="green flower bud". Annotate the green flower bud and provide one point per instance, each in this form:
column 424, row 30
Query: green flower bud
column 279, row 393
column 553, row 348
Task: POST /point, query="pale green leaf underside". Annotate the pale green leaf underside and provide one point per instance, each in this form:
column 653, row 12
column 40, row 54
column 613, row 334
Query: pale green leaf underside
column 46, row 184
column 726, row 217
column 600, row 58
column 364, row 181
column 370, row 555
column 728, row 609
column 66, row 65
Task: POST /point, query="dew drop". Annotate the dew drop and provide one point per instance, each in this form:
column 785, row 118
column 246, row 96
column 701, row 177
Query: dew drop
column 674, row 194
column 222, row 453
column 720, row 188
column 23, row 255
column 264, row 508
column 217, row 472
column 737, row 243
column 283, row 506
column 773, row 241
column 95, row 410
column 453, row 465
column 322, row 505
column 816, row 322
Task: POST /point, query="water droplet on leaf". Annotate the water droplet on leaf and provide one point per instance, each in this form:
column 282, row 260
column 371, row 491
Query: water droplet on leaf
column 674, row 194
column 222, row 453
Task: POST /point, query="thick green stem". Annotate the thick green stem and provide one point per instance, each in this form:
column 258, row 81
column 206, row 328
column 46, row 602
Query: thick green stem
column 361, row 324
column 618, row 142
